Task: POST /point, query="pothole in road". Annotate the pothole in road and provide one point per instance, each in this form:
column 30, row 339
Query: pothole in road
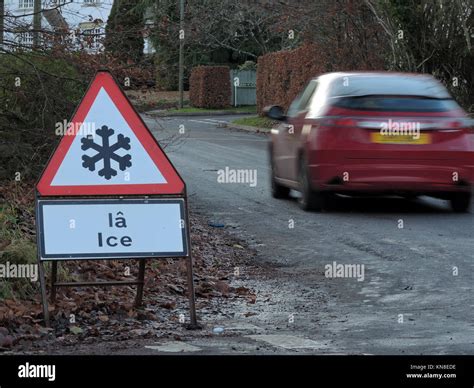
column 289, row 342
column 174, row 347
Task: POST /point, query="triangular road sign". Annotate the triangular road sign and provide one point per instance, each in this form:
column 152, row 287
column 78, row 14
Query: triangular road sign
column 108, row 150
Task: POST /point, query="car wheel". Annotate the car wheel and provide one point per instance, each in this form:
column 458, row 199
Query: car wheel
column 329, row 201
column 278, row 191
column 309, row 199
column 460, row 202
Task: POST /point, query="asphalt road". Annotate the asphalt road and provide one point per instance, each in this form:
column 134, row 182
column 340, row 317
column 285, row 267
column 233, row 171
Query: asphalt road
column 416, row 294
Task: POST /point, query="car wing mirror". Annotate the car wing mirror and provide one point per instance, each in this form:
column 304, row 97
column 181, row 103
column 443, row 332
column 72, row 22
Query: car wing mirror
column 274, row 112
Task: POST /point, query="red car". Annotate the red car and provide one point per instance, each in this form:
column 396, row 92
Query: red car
column 377, row 133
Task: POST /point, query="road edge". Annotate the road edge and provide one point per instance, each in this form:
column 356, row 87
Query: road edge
column 157, row 113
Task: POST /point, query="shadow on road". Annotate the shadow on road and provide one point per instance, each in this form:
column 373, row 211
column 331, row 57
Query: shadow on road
column 420, row 205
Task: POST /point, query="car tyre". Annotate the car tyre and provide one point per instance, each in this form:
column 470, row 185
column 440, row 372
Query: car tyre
column 329, row 201
column 278, row 191
column 410, row 197
column 460, row 202
column 309, row 199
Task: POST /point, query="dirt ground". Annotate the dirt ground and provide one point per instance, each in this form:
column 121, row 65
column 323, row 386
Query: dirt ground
column 97, row 320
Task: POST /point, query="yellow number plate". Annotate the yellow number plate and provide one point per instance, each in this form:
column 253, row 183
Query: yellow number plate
column 423, row 138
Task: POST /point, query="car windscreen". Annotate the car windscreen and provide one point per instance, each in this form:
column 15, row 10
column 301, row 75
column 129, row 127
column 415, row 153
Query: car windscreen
column 396, row 103
column 406, row 85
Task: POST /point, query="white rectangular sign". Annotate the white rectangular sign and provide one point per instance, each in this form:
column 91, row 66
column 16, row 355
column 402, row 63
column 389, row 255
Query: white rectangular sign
column 111, row 228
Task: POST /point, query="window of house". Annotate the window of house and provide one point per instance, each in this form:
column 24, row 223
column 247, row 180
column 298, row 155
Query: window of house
column 22, row 4
column 25, row 38
column 93, row 37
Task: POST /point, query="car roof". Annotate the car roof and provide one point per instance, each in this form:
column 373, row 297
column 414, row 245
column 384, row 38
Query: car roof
column 384, row 83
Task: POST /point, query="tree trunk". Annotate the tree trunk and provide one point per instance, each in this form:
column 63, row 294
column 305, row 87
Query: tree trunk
column 36, row 23
column 2, row 13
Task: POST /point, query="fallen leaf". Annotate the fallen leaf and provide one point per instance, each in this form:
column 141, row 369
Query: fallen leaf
column 177, row 289
column 222, row 287
column 242, row 290
column 6, row 341
column 168, row 305
column 76, row 330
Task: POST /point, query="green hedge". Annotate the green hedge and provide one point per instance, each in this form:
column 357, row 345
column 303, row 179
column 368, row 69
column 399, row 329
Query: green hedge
column 36, row 92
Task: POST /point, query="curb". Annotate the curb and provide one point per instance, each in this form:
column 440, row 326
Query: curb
column 248, row 128
column 181, row 114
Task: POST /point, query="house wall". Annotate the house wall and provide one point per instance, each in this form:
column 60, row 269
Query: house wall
column 83, row 16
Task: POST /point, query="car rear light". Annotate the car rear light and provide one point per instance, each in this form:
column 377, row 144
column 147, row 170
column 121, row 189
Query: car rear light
column 340, row 122
column 422, row 125
column 463, row 124
column 375, row 124
column 372, row 124
column 453, row 125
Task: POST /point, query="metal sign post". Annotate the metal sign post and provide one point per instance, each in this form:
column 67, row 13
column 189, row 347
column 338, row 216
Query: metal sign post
column 110, row 192
column 45, row 254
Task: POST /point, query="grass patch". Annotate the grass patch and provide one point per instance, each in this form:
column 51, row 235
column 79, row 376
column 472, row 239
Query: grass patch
column 18, row 248
column 15, row 248
column 246, row 109
column 18, row 253
column 9, row 225
column 255, row 121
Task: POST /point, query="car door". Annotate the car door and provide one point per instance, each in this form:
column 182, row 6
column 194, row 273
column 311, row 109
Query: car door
column 281, row 147
column 296, row 120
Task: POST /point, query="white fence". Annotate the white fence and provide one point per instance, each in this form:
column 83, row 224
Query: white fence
column 244, row 87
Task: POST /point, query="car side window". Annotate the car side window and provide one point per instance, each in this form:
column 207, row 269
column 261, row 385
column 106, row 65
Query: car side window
column 301, row 102
column 306, row 96
column 293, row 108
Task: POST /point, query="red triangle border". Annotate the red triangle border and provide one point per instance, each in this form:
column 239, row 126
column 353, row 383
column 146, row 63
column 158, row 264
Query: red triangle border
column 174, row 184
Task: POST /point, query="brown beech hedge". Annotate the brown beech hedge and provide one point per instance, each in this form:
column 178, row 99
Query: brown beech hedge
column 209, row 87
column 281, row 75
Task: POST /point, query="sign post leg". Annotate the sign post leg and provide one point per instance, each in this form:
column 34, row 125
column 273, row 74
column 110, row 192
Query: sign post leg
column 191, row 295
column 141, row 282
column 54, row 278
column 44, row 297
column 190, row 272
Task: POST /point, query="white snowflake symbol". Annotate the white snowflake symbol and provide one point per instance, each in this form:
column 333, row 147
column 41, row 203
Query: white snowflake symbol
column 106, row 152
